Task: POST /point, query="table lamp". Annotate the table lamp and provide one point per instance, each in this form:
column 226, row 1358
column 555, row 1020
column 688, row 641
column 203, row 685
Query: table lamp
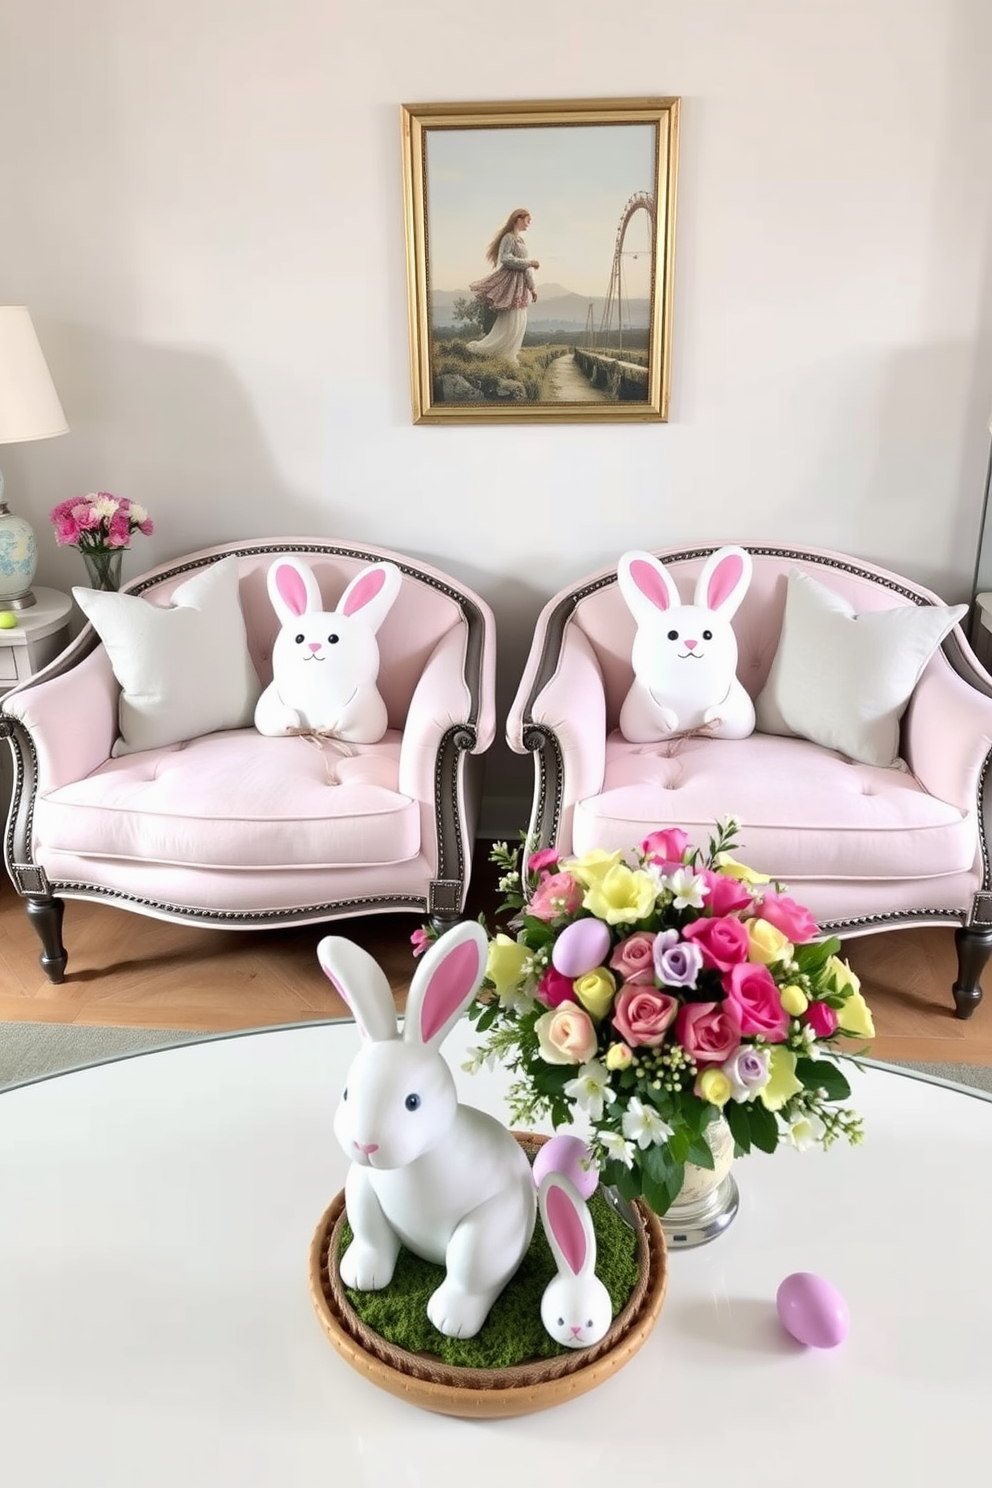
column 29, row 409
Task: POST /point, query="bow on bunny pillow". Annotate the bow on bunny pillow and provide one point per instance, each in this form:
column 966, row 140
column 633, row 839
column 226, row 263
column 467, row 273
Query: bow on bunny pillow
column 325, row 662
column 685, row 656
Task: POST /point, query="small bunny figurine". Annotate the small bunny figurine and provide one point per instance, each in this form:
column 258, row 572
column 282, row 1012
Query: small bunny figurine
column 446, row 1180
column 325, row 663
column 685, row 656
column 575, row 1309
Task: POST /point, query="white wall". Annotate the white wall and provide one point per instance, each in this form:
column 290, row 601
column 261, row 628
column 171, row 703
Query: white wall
column 200, row 201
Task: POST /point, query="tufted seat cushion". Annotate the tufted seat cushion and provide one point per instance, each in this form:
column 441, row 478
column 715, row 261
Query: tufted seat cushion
column 806, row 813
column 238, row 800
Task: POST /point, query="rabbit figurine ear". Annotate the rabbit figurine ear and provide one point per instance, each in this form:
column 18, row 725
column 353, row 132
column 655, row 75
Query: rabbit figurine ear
column 372, row 593
column 567, row 1225
column 363, row 985
column 445, row 983
column 724, row 580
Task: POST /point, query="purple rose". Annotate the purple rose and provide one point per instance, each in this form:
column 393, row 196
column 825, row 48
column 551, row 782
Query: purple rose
column 677, row 963
column 747, row 1071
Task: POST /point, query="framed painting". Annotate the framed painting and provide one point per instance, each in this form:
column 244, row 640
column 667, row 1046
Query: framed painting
column 540, row 243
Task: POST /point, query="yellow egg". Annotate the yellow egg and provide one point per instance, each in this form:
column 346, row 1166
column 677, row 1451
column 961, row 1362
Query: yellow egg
column 7, row 620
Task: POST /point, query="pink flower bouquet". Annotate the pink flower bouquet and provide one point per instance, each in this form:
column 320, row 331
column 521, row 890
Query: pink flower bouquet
column 648, row 993
column 98, row 522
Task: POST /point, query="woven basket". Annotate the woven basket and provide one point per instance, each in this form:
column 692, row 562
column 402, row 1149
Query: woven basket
column 457, row 1391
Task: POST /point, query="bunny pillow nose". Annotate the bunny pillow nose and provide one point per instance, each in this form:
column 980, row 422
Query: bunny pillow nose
column 692, row 645
column 315, row 645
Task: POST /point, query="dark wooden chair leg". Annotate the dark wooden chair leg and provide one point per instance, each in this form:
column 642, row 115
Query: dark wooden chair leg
column 46, row 917
column 974, row 948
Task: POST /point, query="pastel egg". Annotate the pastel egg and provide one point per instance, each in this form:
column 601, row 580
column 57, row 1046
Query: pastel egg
column 812, row 1310
column 564, row 1155
column 580, row 946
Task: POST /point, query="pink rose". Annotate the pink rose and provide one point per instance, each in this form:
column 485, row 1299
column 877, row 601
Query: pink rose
column 566, row 1035
column 557, row 894
column 821, row 1018
column 755, row 1001
column 794, row 920
column 642, row 1016
column 708, row 1031
column 633, row 958
column 726, row 895
column 546, row 858
column 723, row 942
column 420, row 940
column 665, row 846
column 553, row 988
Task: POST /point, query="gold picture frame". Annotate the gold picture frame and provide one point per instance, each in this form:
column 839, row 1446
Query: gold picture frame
column 495, row 339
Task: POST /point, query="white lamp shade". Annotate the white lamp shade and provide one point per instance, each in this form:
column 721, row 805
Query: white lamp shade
column 29, row 404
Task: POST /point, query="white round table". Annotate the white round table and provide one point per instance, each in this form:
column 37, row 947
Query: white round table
column 156, row 1326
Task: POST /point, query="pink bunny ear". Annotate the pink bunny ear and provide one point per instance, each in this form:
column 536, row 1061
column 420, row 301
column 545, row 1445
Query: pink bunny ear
column 369, row 585
column 291, row 588
column 566, row 1227
column 650, row 583
column 723, row 580
column 445, row 992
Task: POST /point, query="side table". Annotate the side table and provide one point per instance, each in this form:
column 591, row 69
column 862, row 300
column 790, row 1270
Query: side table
column 41, row 632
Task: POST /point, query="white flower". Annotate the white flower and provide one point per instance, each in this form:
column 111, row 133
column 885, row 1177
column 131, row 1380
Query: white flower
column 688, row 888
column 138, row 513
column 105, row 506
column 617, row 1147
column 591, row 1088
column 476, row 1059
column 642, row 1124
column 517, row 1000
column 804, row 1131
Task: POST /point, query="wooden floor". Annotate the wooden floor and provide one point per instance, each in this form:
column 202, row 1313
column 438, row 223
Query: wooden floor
column 130, row 971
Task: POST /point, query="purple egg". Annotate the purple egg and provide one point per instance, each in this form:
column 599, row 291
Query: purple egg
column 580, row 946
column 564, row 1155
column 812, row 1310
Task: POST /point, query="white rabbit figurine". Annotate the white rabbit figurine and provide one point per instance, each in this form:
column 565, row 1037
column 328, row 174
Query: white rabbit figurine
column 446, row 1180
column 685, row 656
column 575, row 1309
column 325, row 662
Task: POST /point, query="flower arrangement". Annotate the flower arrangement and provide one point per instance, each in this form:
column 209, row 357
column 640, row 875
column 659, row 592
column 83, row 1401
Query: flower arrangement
column 98, row 522
column 653, row 992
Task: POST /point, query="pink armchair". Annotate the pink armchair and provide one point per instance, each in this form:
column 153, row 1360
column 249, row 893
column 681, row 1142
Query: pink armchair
column 236, row 830
column 866, row 848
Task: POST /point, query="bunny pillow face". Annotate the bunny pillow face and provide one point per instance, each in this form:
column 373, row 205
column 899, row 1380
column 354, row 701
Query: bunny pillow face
column 325, row 662
column 685, row 656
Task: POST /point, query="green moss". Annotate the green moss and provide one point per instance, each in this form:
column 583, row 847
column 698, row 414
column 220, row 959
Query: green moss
column 513, row 1332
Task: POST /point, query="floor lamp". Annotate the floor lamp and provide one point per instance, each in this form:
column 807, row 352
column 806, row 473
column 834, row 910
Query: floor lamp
column 29, row 409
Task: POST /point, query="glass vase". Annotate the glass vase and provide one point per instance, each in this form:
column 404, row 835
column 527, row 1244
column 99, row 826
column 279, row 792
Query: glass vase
column 103, row 567
column 708, row 1199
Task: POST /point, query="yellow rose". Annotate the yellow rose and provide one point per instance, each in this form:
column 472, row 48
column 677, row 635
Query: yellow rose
column 855, row 1016
column 794, row 1000
column 726, row 864
column 766, row 944
column 622, row 894
column 618, row 1057
column 505, row 963
column 712, row 1085
column 566, row 1035
column 591, row 867
column 595, row 991
column 782, row 1083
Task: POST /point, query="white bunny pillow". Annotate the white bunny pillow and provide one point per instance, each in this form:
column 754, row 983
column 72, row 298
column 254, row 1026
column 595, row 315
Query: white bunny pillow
column 685, row 656
column 325, row 663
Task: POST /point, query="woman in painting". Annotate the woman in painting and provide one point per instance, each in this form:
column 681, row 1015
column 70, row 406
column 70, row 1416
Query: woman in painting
column 508, row 290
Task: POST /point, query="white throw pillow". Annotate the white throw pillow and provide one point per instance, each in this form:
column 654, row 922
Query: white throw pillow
column 842, row 679
column 184, row 669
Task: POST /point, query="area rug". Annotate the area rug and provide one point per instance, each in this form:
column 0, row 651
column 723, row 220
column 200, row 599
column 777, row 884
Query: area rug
column 32, row 1051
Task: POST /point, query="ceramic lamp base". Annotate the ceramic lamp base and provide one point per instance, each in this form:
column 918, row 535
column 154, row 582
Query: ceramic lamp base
column 18, row 559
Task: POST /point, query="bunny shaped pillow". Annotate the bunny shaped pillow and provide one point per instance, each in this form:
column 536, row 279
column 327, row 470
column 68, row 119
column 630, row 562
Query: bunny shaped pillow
column 325, row 662
column 685, row 656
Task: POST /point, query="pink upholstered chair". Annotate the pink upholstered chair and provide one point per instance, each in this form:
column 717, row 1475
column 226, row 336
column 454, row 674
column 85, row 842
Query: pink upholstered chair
column 236, row 830
column 866, row 848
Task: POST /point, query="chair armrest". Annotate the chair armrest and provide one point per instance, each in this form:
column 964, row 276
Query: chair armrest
column 70, row 711
column 445, row 699
column 559, row 715
column 947, row 728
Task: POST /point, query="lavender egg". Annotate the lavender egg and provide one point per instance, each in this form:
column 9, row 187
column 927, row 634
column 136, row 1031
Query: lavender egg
column 812, row 1310
column 565, row 1155
column 580, row 946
